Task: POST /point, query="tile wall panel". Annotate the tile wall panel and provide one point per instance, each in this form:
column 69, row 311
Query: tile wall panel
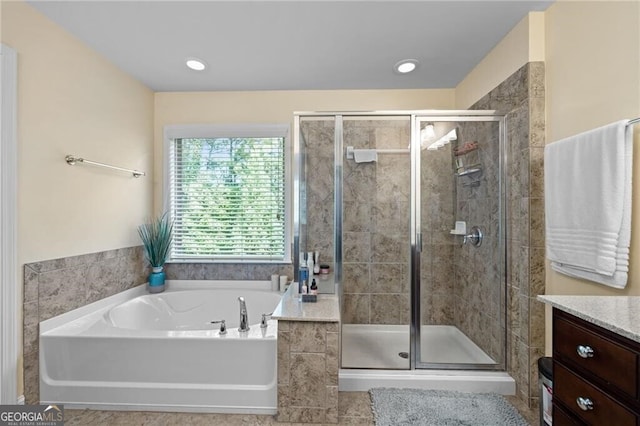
column 53, row 287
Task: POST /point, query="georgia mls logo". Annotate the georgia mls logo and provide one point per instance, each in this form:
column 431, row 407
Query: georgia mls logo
column 31, row 415
column 53, row 411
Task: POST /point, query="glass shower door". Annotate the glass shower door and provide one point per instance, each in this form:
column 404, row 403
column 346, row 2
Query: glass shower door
column 460, row 291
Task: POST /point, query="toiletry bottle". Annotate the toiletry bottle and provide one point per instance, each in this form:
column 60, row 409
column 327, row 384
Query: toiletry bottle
column 305, row 289
column 310, row 263
column 303, row 274
column 316, row 263
column 314, row 287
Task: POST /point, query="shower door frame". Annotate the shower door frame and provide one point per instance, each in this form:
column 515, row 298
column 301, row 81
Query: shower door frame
column 415, row 231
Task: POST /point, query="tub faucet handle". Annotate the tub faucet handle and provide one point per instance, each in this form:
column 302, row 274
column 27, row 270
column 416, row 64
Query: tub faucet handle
column 223, row 326
column 263, row 322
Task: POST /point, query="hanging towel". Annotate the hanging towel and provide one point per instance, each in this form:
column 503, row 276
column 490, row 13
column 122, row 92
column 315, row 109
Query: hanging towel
column 587, row 183
column 365, row 155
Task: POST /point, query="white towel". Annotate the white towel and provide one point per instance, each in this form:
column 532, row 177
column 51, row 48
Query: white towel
column 588, row 204
column 365, row 155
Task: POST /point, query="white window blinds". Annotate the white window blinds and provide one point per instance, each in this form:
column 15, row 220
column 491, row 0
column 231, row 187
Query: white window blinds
column 227, row 197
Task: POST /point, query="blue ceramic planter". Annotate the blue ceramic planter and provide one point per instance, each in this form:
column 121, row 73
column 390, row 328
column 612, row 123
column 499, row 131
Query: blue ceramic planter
column 156, row 281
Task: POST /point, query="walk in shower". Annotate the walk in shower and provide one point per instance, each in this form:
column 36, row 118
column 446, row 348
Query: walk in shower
column 407, row 209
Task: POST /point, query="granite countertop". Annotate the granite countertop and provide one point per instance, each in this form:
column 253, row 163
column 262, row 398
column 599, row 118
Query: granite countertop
column 326, row 309
column 620, row 314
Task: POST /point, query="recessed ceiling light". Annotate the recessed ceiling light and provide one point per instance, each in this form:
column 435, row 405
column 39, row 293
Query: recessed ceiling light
column 196, row 64
column 406, row 66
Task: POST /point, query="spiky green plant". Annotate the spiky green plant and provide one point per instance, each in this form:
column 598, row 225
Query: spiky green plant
column 156, row 236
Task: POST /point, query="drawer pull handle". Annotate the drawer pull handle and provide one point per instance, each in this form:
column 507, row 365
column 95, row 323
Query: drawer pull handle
column 585, row 404
column 584, row 351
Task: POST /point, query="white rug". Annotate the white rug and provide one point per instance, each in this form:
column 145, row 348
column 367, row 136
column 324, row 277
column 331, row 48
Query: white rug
column 393, row 407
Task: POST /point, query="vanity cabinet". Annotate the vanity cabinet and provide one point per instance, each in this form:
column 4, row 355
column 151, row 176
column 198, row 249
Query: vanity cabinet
column 595, row 374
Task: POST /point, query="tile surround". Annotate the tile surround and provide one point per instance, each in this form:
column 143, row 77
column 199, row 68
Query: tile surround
column 54, row 287
column 308, row 362
column 374, row 243
column 225, row 271
column 521, row 98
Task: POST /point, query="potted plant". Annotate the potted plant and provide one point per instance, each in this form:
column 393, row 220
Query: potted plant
column 156, row 237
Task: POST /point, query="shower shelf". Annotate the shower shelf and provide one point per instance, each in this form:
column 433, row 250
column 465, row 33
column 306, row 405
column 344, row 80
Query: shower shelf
column 473, row 174
column 472, row 170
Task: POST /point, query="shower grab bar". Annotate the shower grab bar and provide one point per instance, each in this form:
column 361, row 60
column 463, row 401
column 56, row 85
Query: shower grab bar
column 393, row 151
column 350, row 150
column 72, row 160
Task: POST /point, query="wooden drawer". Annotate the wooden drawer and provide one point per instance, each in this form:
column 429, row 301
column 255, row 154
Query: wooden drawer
column 611, row 362
column 567, row 388
column 562, row 418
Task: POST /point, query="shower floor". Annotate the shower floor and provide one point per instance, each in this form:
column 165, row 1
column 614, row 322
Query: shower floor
column 380, row 346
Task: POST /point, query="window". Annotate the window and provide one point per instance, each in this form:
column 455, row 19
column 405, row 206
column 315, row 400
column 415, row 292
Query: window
column 227, row 192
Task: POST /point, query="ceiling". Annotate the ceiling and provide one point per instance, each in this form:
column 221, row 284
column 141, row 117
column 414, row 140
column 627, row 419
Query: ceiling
column 291, row 45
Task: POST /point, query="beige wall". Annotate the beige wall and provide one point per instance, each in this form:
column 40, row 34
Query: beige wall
column 524, row 43
column 593, row 78
column 592, row 59
column 72, row 101
column 277, row 107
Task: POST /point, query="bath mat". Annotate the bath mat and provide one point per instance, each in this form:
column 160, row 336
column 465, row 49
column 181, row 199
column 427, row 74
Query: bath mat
column 426, row 407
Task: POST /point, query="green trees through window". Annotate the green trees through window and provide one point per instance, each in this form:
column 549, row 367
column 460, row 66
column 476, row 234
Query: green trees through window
column 227, row 198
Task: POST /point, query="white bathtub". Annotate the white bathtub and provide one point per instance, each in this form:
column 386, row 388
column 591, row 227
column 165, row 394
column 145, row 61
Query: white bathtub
column 139, row 351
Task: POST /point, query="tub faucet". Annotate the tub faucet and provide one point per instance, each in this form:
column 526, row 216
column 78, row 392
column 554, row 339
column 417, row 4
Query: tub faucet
column 244, row 322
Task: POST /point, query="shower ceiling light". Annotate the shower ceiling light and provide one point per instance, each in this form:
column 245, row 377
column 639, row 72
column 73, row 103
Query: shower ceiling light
column 428, row 133
column 406, row 66
column 196, row 64
column 451, row 136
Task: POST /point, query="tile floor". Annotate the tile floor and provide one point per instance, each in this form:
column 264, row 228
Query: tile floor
column 354, row 409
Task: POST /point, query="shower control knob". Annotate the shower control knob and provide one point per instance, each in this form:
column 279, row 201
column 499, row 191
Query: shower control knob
column 475, row 237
